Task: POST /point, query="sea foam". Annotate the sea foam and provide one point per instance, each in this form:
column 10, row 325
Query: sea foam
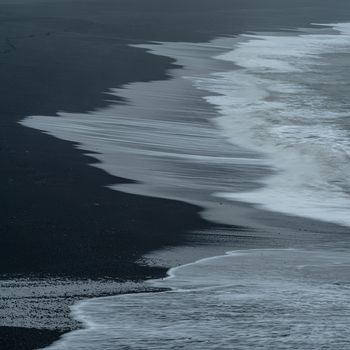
column 286, row 99
column 277, row 136
column 253, row 299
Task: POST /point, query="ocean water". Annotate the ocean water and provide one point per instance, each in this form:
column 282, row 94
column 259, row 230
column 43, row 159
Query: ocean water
column 163, row 136
column 255, row 299
column 261, row 118
column 289, row 99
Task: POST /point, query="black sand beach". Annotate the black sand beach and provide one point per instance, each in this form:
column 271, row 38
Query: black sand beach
column 58, row 218
column 26, row 338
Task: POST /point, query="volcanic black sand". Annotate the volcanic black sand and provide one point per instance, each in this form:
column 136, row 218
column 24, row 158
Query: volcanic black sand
column 25, row 338
column 57, row 216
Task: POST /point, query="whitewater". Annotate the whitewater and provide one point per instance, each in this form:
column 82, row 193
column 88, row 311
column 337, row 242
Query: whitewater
column 253, row 299
column 277, row 135
column 288, row 99
column 262, row 118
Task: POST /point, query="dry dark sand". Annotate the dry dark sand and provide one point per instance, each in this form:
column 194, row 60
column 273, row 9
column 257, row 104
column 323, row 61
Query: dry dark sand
column 58, row 220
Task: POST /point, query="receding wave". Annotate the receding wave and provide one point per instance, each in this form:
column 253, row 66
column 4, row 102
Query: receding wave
column 262, row 118
column 256, row 299
column 288, row 98
column 164, row 135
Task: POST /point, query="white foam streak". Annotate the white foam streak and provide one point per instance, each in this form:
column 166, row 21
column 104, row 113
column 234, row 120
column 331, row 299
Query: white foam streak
column 283, row 109
column 272, row 103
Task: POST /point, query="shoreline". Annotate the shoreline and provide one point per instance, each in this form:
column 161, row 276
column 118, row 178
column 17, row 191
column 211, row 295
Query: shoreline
column 102, row 318
column 60, row 220
column 51, row 224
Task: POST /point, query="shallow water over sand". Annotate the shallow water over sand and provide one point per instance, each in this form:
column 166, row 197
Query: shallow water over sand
column 262, row 118
column 261, row 299
column 168, row 138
